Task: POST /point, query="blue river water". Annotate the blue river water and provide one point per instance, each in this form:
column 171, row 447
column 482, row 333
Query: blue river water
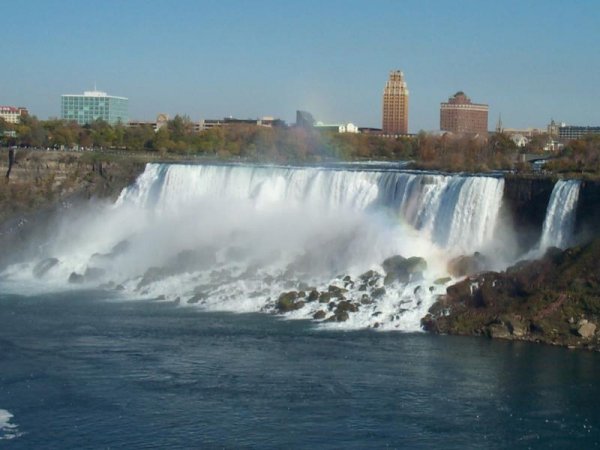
column 84, row 370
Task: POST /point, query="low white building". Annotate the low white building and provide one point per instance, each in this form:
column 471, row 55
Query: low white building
column 11, row 114
column 337, row 127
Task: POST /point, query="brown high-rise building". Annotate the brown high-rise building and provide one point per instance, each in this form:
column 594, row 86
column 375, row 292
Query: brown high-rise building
column 460, row 115
column 395, row 105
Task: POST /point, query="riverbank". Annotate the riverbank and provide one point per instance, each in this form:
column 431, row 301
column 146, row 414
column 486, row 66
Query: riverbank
column 554, row 300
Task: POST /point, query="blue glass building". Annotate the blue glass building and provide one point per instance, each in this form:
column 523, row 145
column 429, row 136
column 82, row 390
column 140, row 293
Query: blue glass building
column 93, row 105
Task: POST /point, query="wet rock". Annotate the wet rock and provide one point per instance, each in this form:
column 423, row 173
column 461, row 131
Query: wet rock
column 324, row 297
column 320, row 314
column 346, row 306
column 376, row 325
column 312, row 296
column 586, row 329
column 368, row 275
column 44, row 266
column 378, row 293
column 335, row 291
column 398, row 268
column 347, row 278
column 197, row 297
column 339, row 317
column 301, row 294
column 366, row 300
column 331, row 306
column 393, row 264
column 467, row 265
column 76, row 278
column 287, row 302
column 443, row 280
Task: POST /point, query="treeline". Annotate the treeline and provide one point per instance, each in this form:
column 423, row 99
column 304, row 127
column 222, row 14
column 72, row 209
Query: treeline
column 278, row 144
column 580, row 156
column 270, row 144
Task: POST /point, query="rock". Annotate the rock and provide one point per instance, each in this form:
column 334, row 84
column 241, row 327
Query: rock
column 442, row 280
column 339, row 317
column 368, row 275
column 393, row 264
column 44, row 266
column 320, row 314
column 346, row 306
column 347, row 278
column 76, row 278
column 337, row 291
column 324, row 297
column 301, row 294
column 312, row 296
column 401, row 269
column 586, row 330
column 287, row 302
column 377, row 293
column 366, row 300
column 467, row 265
column 516, row 326
column 197, row 297
column 498, row 331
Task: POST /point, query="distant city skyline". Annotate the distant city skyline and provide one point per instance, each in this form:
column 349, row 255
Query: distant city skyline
column 529, row 61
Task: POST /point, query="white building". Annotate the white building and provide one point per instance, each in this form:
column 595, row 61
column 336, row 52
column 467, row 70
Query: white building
column 338, row 127
column 11, row 114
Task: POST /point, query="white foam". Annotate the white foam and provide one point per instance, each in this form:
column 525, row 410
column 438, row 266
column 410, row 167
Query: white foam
column 8, row 430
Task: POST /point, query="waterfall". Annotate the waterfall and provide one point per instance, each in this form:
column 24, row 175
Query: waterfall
column 234, row 237
column 456, row 212
column 559, row 222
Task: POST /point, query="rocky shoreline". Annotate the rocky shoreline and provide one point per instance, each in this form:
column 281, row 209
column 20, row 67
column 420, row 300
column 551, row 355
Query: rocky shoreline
column 554, row 300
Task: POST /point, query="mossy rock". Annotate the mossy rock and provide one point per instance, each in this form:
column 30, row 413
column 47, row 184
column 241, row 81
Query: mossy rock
column 319, row 315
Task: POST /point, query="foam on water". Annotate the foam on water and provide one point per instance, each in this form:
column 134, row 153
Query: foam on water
column 8, row 430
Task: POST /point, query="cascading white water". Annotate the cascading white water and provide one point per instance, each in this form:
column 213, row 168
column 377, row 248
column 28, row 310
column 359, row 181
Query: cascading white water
column 458, row 212
column 233, row 237
column 559, row 222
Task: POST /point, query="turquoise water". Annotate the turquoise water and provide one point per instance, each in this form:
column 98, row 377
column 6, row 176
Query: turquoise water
column 81, row 370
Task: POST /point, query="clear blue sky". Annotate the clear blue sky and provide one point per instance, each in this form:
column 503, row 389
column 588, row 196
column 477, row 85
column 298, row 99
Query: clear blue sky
column 529, row 60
